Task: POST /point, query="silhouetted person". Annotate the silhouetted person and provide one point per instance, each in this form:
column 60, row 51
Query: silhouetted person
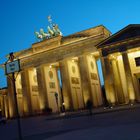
column 106, row 104
column 89, row 106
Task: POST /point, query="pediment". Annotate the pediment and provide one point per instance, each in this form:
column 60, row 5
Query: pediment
column 130, row 31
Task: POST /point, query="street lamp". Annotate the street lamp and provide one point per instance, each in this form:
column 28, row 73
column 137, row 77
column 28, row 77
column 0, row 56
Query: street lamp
column 10, row 68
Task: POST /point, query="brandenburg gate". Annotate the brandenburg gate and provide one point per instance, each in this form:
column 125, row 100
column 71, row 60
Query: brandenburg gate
column 66, row 67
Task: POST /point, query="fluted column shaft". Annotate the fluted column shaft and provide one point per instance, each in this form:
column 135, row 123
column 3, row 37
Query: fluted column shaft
column 26, row 92
column 86, row 88
column 108, row 80
column 66, row 90
column 129, row 79
column 117, row 83
column 42, row 87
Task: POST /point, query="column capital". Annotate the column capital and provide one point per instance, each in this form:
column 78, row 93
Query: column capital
column 123, row 49
column 37, row 67
column 104, row 53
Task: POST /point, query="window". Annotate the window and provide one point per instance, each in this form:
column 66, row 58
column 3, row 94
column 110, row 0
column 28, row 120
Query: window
column 137, row 61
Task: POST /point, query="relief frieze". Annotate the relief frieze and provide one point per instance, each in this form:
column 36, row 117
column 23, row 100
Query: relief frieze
column 35, row 88
column 76, row 87
column 19, row 91
column 52, row 84
column 93, row 76
column 75, row 80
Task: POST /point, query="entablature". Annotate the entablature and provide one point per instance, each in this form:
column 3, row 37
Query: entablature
column 121, row 46
column 60, row 41
column 59, row 53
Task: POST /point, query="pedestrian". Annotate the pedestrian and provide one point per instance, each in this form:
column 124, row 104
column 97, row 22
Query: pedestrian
column 89, row 106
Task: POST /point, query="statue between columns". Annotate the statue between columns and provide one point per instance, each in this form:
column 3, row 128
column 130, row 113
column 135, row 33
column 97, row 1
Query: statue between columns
column 52, row 31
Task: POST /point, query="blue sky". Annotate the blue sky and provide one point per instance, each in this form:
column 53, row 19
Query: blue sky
column 20, row 18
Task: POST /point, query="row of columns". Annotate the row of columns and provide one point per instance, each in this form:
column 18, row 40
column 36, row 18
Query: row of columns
column 113, row 83
column 42, row 90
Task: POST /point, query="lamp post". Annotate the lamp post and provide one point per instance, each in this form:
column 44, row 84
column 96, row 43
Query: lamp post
column 10, row 68
column 56, row 98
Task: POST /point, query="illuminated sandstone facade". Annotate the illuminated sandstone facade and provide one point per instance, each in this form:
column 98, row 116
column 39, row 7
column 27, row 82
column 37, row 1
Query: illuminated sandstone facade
column 120, row 55
column 4, row 102
column 68, row 66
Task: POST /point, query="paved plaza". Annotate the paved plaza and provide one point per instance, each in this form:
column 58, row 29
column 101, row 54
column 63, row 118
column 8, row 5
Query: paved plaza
column 111, row 124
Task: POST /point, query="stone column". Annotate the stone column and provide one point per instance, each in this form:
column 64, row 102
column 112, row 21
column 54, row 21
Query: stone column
column 129, row 79
column 86, row 87
column 26, row 92
column 11, row 100
column 108, row 80
column 117, row 82
column 6, row 108
column 100, row 92
column 66, row 90
column 42, row 87
column 2, row 104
